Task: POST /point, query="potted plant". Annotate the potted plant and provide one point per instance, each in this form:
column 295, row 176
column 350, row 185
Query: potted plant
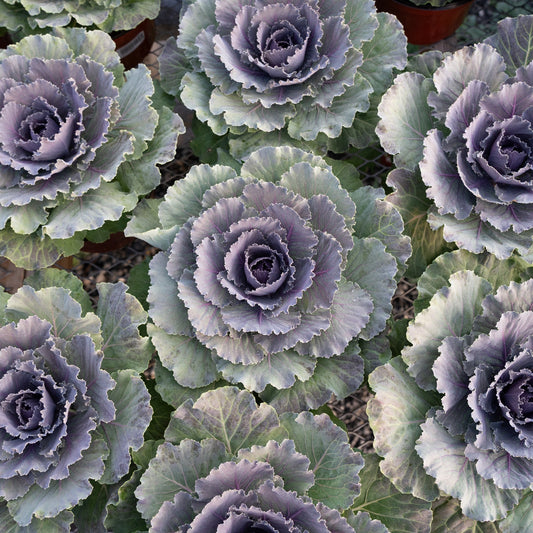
column 302, row 73
column 75, row 155
column 130, row 24
column 427, row 21
column 265, row 282
column 451, row 415
column 73, row 402
column 295, row 472
column 467, row 167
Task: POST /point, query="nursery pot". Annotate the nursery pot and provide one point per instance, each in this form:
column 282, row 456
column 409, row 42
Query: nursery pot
column 427, row 24
column 134, row 45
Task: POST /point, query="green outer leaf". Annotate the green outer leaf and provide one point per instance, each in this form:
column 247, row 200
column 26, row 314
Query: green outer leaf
column 385, row 52
column 360, row 15
column 340, row 375
column 58, row 524
column 175, row 469
column 144, row 224
column 89, row 211
column 132, row 417
column 173, row 393
column 190, row 362
column 121, row 315
column 448, row 518
column 270, row 163
column 313, row 119
column 379, row 218
column 444, row 458
column 377, row 351
column 122, row 515
column 514, row 40
column 136, row 114
column 128, row 14
column 238, row 113
column 161, row 411
column 143, row 175
column 290, row 465
column 55, row 305
column 62, row 494
column 395, row 414
column 409, row 197
column 4, row 298
column 90, row 514
column 44, row 46
column 50, row 277
column 475, row 235
column 172, row 66
column 451, row 312
column 425, row 63
column 196, row 94
column 401, row 513
column 98, row 45
column 362, row 523
column 335, row 465
column 227, row 414
column 243, row 145
column 520, row 518
column 367, row 257
column 484, row 265
column 184, row 198
column 33, row 251
column 280, row 370
column 405, row 119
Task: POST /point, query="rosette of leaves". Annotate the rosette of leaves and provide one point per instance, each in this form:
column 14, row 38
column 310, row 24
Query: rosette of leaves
column 79, row 143
column 263, row 281
column 229, row 465
column 301, row 72
column 28, row 16
column 452, row 415
column 72, row 401
column 459, row 127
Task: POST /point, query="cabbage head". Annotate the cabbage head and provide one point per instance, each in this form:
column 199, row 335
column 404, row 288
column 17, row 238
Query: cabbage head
column 230, row 465
column 72, row 402
column 262, row 280
column 453, row 414
column 29, row 16
column 470, row 162
column 79, row 142
column 300, row 71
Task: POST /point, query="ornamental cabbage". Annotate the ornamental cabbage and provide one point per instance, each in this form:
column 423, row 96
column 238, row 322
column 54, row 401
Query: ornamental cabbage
column 284, row 72
column 262, row 281
column 472, row 152
column 79, row 142
column 229, row 465
column 72, row 403
column 453, row 414
column 29, row 16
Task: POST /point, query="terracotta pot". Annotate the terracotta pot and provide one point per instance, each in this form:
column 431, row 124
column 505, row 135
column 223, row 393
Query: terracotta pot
column 135, row 44
column 426, row 24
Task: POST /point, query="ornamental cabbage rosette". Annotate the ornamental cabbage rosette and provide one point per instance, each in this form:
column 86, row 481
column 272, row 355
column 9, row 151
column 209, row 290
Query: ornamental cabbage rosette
column 29, row 16
column 472, row 115
column 230, row 465
column 263, row 282
column 72, row 402
column 453, row 415
column 283, row 72
column 79, row 142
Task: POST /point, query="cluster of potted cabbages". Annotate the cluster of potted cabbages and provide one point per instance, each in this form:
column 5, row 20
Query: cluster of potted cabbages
column 200, row 404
